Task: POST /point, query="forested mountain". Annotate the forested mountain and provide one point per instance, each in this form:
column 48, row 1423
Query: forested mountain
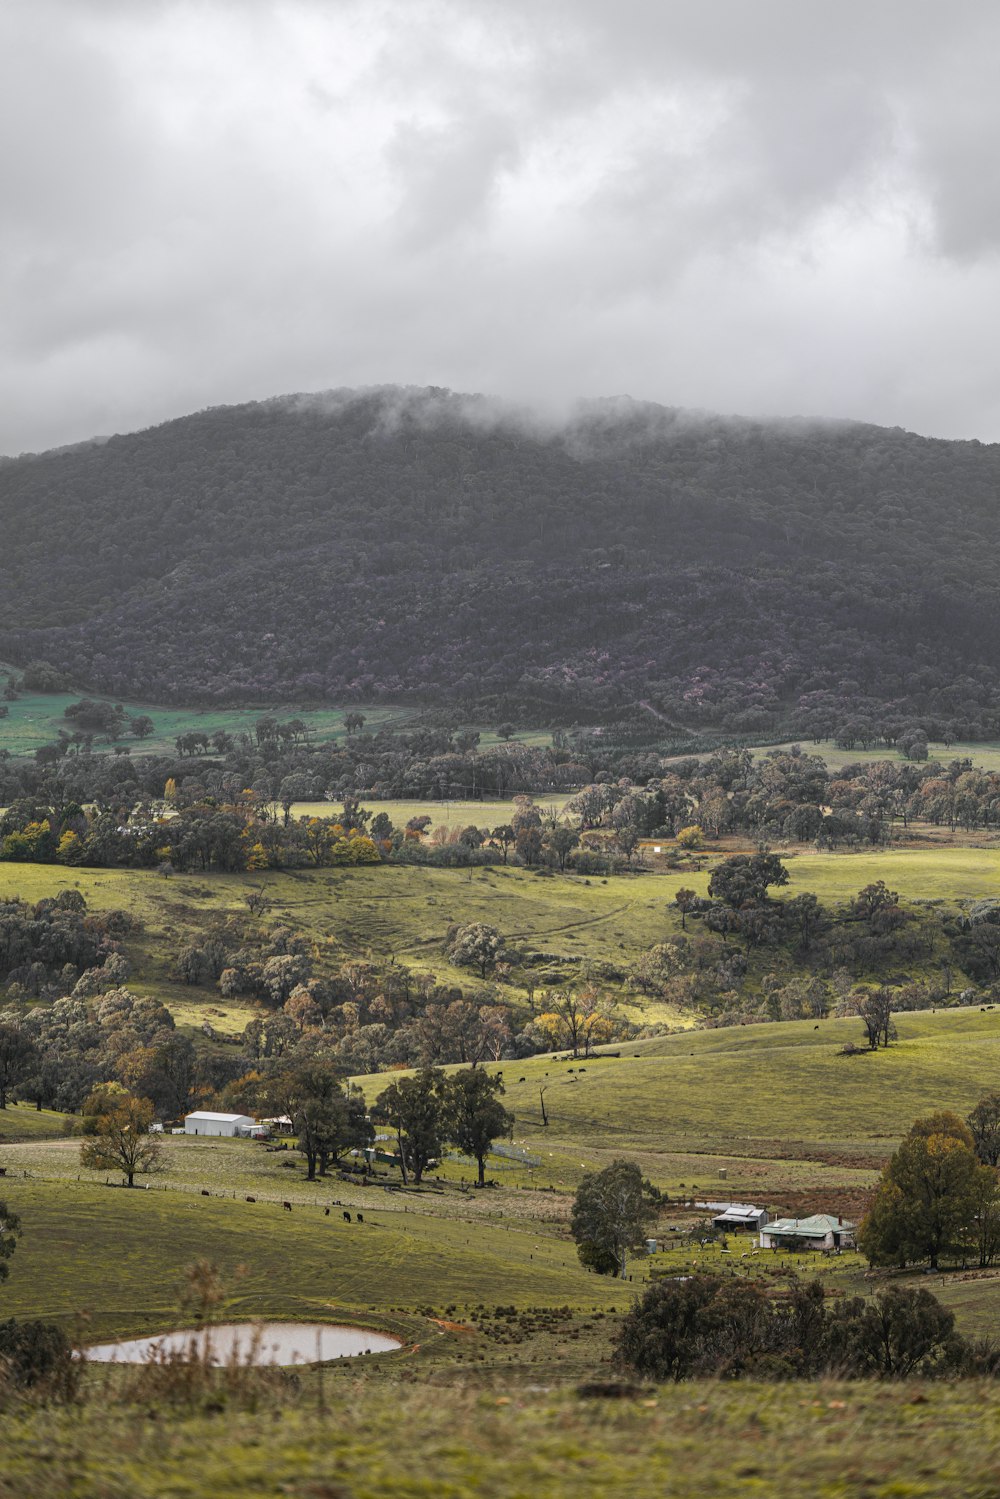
column 631, row 561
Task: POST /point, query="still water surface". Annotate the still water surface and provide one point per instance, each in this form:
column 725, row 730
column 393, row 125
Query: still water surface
column 264, row 1342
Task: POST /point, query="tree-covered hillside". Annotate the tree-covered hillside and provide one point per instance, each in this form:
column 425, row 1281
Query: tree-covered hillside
column 635, row 560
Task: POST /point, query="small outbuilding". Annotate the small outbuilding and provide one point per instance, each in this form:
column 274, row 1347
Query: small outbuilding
column 205, row 1122
column 740, row 1217
column 821, row 1231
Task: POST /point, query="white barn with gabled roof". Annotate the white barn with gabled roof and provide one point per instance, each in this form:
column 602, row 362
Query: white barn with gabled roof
column 205, row 1122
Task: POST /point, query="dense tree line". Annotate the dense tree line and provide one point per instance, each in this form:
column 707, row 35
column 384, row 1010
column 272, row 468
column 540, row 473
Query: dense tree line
column 837, row 574
column 233, row 808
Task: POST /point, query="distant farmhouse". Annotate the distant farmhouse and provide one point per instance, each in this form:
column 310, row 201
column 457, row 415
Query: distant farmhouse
column 821, row 1231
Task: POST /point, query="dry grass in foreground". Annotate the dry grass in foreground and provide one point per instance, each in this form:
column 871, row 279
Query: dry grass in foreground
column 683, row 1442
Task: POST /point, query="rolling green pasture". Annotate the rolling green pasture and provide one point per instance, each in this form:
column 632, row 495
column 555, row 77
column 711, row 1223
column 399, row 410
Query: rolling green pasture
column 942, row 874
column 18, row 1122
column 775, row 1108
column 405, row 912
column 985, row 756
column 488, row 812
column 35, row 718
column 398, row 910
column 118, row 1257
column 767, row 1113
column 736, row 1090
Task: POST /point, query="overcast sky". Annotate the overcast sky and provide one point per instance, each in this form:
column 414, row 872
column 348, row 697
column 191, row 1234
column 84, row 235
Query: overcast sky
column 760, row 206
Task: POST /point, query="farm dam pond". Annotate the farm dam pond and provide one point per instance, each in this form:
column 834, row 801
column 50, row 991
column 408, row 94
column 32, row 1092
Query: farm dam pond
column 280, row 1343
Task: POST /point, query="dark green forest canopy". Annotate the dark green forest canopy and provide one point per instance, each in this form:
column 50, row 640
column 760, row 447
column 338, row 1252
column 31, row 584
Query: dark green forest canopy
column 413, row 544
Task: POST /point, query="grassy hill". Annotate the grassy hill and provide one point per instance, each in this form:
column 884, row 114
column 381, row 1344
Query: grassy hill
column 35, row 718
column 565, row 921
column 500, row 1325
column 773, row 1114
column 983, row 756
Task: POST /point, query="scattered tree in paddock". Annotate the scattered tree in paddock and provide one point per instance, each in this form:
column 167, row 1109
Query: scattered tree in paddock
column 612, row 1212
column 328, row 1118
column 875, row 1010
column 474, row 1115
column 476, row 945
column 745, row 879
column 123, row 1142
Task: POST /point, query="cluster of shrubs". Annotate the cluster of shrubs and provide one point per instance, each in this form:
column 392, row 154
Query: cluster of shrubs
column 37, row 1356
column 712, row 1327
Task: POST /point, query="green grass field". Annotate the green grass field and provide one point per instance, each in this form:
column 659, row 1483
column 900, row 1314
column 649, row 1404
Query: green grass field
column 688, row 1441
column 388, row 910
column 943, row 874
column 986, row 756
column 405, row 912
column 489, row 812
column 783, row 1083
column 35, row 718
column 21, row 1123
column 768, row 1113
column 117, row 1257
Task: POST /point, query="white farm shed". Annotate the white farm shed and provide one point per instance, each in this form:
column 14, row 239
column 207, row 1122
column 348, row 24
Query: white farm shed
column 204, row 1122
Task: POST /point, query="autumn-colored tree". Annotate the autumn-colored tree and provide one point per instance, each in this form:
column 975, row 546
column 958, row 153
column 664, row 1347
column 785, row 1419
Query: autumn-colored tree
column 692, row 837
column 123, row 1142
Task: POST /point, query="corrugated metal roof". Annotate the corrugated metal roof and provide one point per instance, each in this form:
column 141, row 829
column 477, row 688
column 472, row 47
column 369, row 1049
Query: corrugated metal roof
column 817, row 1226
column 219, row 1118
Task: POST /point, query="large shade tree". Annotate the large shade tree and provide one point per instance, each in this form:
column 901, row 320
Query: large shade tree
column 612, row 1212
column 931, row 1196
column 328, row 1118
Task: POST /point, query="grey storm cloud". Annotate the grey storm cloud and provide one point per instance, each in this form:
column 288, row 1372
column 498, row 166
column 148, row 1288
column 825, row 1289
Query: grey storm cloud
column 772, row 208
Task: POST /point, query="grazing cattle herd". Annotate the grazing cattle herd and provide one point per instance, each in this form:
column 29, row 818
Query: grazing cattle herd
column 287, row 1207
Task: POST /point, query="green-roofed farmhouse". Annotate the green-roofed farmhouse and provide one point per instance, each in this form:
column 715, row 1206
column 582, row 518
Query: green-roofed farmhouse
column 821, row 1231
